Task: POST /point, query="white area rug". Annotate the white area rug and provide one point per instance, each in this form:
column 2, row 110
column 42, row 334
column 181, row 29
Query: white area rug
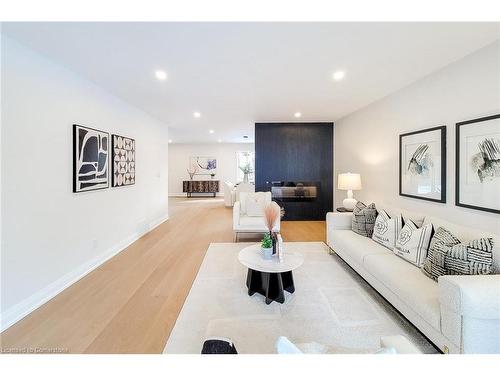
column 331, row 305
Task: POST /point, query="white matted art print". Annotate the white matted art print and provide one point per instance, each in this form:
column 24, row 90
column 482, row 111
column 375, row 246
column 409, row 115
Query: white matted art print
column 422, row 164
column 203, row 165
column 478, row 164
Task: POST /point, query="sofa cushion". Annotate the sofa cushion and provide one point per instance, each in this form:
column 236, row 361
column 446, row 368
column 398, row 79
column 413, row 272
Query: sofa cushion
column 246, row 197
column 363, row 219
column 466, row 234
column 255, row 203
column 387, row 229
column 448, row 256
column 252, row 222
column 355, row 246
column 413, row 242
column 417, row 291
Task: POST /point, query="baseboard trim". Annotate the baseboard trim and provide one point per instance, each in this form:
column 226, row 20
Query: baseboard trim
column 33, row 302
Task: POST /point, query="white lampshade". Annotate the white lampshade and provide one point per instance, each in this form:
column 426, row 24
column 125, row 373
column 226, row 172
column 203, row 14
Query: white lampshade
column 349, row 181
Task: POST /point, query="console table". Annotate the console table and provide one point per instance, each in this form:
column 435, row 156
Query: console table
column 192, row 186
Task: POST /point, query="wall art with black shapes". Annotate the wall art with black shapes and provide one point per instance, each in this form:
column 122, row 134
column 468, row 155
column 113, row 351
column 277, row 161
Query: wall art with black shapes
column 90, row 159
column 422, row 164
column 478, row 164
column 123, row 149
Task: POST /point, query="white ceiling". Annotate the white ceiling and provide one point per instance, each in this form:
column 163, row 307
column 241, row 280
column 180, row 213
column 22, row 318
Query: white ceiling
column 237, row 74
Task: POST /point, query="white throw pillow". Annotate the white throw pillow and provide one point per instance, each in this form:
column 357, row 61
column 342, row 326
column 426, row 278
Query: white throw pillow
column 255, row 204
column 386, row 229
column 413, row 242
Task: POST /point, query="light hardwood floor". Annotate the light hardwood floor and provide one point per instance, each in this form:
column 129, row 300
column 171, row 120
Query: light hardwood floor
column 131, row 302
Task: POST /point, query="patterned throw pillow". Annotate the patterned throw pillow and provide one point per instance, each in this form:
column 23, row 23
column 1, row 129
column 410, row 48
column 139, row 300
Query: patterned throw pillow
column 363, row 219
column 413, row 242
column 447, row 256
column 387, row 229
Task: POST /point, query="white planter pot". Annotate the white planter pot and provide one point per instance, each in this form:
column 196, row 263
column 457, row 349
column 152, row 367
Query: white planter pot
column 267, row 253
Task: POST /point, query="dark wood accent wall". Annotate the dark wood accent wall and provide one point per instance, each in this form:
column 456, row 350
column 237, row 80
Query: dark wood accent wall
column 301, row 152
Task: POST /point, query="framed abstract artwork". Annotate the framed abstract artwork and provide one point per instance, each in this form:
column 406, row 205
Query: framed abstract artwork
column 123, row 165
column 422, row 164
column 477, row 184
column 203, row 165
column 90, row 159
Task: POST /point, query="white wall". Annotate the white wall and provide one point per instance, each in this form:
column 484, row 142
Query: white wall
column 51, row 236
column 367, row 141
column 178, row 156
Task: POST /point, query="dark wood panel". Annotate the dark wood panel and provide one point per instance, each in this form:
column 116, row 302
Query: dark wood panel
column 296, row 152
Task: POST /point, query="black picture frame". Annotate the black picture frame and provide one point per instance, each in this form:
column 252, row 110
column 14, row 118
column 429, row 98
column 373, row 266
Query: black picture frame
column 76, row 188
column 458, row 166
column 442, row 129
column 114, row 180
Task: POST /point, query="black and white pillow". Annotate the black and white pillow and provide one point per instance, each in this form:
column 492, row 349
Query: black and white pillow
column 386, row 229
column 448, row 256
column 363, row 219
column 413, row 242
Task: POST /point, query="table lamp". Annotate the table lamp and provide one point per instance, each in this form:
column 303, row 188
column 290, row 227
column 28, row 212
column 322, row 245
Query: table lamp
column 349, row 181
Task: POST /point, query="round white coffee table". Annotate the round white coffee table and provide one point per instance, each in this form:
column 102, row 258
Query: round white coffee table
column 269, row 277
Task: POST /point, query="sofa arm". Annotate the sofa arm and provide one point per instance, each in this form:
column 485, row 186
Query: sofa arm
column 475, row 296
column 338, row 220
column 236, row 214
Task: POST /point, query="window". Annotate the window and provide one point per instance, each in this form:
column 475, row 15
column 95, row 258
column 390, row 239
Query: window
column 245, row 161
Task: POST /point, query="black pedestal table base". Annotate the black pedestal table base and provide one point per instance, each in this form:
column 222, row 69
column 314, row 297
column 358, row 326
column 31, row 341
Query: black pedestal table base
column 270, row 285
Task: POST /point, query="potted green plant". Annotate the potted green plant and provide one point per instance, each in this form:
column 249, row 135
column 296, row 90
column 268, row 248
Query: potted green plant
column 267, row 246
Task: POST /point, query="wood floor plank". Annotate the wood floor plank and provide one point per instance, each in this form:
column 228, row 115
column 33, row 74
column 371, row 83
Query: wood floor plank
column 130, row 303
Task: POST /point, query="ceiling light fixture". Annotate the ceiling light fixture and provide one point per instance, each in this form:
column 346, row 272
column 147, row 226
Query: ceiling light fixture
column 211, row 131
column 337, row 76
column 161, row 75
column 169, row 141
column 297, row 115
column 196, row 114
column 219, row 140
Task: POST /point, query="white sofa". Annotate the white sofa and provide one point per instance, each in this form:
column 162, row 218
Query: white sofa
column 459, row 314
column 246, row 222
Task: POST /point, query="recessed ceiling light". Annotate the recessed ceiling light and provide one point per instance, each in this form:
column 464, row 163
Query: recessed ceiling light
column 211, row 131
column 297, row 114
column 161, row 75
column 219, row 140
column 196, row 114
column 169, row 141
column 337, row 76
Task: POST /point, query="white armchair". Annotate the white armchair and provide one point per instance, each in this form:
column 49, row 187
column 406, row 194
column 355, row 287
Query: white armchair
column 243, row 187
column 229, row 194
column 248, row 214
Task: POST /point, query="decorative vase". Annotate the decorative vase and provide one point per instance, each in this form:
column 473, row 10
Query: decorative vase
column 267, row 252
column 275, row 240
